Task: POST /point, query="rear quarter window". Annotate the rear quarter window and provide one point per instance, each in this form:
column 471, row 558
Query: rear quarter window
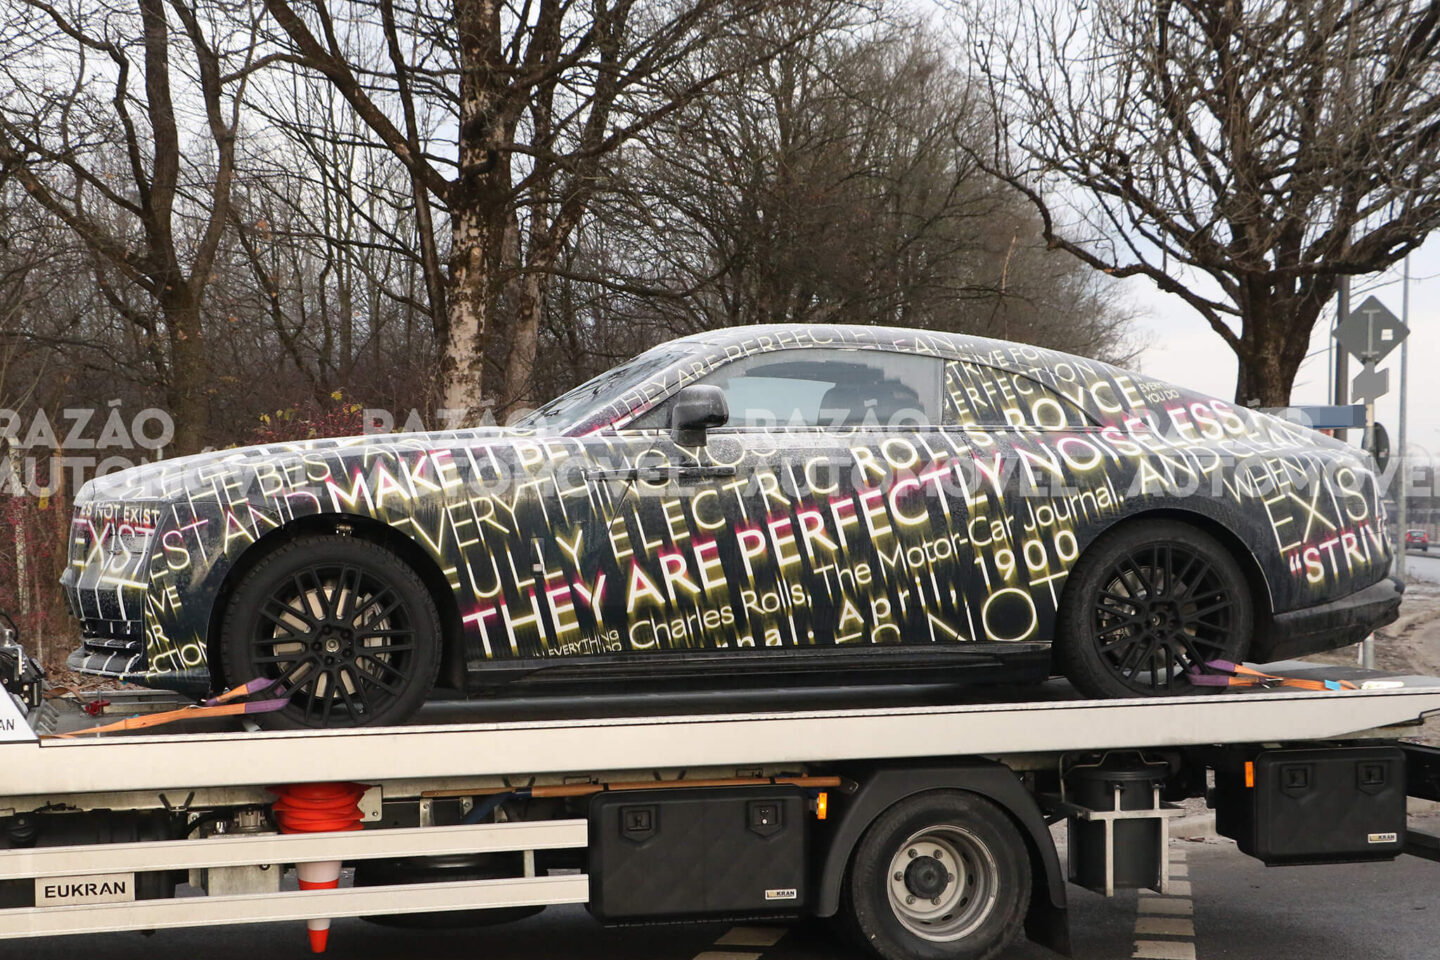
column 978, row 395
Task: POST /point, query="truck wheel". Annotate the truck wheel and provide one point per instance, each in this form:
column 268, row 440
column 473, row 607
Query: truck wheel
column 1146, row 604
column 344, row 624
column 942, row 875
column 458, row 867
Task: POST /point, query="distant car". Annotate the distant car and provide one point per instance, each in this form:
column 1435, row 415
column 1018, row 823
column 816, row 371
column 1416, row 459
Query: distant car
column 1417, row 540
column 832, row 503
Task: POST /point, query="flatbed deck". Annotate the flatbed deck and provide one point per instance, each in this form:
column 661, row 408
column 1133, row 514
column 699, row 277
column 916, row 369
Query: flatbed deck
column 1053, row 722
column 877, row 748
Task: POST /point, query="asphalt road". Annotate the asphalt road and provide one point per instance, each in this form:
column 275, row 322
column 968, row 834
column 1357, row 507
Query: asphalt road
column 1238, row 908
column 1423, row 566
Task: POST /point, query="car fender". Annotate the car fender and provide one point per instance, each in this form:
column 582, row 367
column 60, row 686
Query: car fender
column 1219, row 522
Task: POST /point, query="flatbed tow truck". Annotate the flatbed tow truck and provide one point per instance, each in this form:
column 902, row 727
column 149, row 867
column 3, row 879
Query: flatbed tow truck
column 925, row 828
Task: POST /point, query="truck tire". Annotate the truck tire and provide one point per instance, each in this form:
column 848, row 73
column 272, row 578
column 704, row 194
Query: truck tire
column 466, row 867
column 345, row 624
column 942, row 875
column 1148, row 602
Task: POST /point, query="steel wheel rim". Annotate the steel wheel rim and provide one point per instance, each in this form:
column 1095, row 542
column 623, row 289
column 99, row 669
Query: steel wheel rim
column 942, row 883
column 340, row 639
column 1163, row 610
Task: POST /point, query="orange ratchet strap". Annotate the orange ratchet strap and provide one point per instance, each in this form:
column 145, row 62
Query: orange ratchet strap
column 1223, row 673
column 227, row 704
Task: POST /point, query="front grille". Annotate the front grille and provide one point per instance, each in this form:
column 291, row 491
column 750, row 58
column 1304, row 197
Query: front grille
column 114, row 645
column 107, row 581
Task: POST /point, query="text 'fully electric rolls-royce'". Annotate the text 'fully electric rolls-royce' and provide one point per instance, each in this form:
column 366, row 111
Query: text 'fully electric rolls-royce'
column 823, row 502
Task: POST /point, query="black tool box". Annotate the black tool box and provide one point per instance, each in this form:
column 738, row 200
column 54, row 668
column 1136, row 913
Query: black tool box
column 733, row 852
column 1317, row 805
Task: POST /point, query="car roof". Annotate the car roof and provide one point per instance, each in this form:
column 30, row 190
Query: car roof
column 729, row 343
column 780, row 336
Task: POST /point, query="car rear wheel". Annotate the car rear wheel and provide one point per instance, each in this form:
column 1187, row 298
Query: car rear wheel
column 1146, row 605
column 942, row 875
column 345, row 625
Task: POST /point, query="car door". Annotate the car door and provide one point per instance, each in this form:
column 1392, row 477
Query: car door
column 1039, row 474
column 815, row 520
column 512, row 513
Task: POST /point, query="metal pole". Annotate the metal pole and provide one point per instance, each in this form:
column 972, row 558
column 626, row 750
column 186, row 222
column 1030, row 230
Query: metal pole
column 1330, row 363
column 1342, row 392
column 1402, row 517
column 1342, row 365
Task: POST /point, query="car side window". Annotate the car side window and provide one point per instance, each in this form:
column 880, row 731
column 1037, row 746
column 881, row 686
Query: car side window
column 977, row 395
column 823, row 388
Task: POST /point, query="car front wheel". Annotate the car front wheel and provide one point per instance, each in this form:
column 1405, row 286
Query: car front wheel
column 1146, row 605
column 343, row 624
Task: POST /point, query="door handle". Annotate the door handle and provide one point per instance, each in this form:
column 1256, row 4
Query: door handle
column 626, row 475
column 683, row 473
column 662, row 474
column 701, row 473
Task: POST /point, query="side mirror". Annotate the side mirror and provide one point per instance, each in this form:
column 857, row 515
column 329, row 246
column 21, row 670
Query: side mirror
column 695, row 410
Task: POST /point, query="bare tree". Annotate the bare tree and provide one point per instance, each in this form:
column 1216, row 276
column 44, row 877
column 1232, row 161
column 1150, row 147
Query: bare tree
column 1268, row 147
column 532, row 97
column 27, row 281
column 325, row 227
column 96, row 133
column 822, row 185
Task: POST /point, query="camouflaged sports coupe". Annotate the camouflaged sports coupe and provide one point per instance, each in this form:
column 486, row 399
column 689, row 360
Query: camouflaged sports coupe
column 837, row 502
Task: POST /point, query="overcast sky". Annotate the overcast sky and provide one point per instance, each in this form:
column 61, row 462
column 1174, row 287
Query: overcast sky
column 1185, row 351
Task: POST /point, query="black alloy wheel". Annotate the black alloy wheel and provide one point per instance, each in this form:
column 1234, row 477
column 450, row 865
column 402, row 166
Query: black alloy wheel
column 1149, row 604
column 343, row 624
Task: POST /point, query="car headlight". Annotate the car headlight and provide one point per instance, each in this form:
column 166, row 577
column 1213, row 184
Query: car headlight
column 132, row 540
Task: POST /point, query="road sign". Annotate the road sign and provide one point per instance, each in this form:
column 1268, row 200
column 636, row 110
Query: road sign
column 1370, row 384
column 1322, row 417
column 1371, row 331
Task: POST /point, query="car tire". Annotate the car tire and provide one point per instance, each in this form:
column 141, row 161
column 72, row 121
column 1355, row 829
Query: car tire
column 1147, row 603
column 963, row 884
column 345, row 624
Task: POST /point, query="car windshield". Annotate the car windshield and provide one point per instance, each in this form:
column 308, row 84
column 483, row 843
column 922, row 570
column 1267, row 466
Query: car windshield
column 596, row 394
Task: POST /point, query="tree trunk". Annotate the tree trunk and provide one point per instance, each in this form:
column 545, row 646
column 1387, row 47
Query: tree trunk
column 187, row 393
column 477, row 203
column 1274, row 342
column 22, row 543
column 470, row 301
column 346, row 277
column 524, row 340
column 544, row 250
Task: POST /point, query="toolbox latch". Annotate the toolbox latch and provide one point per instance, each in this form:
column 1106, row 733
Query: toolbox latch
column 764, row 817
column 638, row 823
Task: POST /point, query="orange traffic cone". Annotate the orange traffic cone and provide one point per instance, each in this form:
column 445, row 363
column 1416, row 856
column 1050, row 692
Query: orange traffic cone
column 320, row 875
column 318, row 808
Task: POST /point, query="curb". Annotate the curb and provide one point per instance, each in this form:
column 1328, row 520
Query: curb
column 1198, row 827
